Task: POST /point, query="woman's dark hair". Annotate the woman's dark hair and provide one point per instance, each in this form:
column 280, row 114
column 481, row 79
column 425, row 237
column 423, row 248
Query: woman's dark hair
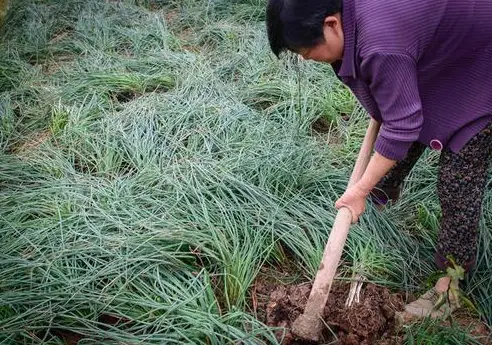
column 294, row 24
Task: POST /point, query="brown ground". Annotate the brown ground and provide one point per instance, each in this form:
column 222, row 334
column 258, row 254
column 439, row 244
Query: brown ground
column 372, row 321
column 69, row 338
column 33, row 142
column 368, row 322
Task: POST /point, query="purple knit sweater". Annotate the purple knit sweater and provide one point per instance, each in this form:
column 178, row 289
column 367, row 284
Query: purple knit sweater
column 422, row 68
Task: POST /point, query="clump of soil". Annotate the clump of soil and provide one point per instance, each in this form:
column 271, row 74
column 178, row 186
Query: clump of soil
column 321, row 125
column 371, row 321
column 68, row 337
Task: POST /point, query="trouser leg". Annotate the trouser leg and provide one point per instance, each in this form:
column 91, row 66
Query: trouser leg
column 389, row 186
column 461, row 183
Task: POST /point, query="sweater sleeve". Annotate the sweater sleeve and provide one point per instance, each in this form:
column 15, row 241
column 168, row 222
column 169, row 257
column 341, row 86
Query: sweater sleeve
column 393, row 83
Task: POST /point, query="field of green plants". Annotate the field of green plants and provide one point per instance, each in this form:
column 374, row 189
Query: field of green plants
column 156, row 160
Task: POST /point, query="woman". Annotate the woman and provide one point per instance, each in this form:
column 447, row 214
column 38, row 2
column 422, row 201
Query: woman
column 424, row 70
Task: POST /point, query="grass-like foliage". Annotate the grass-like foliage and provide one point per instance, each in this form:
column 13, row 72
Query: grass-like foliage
column 154, row 156
column 436, row 333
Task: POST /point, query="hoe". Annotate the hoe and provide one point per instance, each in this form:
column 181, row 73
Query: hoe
column 310, row 324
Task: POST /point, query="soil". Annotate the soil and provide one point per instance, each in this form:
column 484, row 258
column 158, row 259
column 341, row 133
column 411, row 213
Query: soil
column 321, row 125
column 371, row 321
column 68, row 338
column 323, row 131
column 33, row 142
column 72, row 338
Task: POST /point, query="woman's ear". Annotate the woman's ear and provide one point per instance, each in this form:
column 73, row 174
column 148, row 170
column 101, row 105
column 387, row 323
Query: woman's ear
column 334, row 23
column 332, row 27
column 333, row 37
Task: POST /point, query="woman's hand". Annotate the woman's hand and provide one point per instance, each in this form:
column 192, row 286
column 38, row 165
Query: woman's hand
column 354, row 199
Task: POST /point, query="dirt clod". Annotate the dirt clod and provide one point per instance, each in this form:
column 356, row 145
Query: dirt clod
column 369, row 322
column 362, row 324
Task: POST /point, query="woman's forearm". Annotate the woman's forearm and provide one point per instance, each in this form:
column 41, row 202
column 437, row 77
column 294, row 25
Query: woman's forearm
column 377, row 168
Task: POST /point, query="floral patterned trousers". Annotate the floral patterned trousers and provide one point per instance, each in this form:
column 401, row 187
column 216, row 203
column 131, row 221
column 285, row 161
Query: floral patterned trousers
column 460, row 187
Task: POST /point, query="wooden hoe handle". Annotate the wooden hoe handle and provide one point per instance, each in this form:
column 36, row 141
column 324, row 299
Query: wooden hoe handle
column 309, row 325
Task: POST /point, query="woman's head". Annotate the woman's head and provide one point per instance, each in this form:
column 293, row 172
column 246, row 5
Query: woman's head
column 312, row 28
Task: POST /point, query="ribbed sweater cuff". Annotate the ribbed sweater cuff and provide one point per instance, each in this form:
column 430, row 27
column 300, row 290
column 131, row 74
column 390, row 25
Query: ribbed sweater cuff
column 392, row 149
